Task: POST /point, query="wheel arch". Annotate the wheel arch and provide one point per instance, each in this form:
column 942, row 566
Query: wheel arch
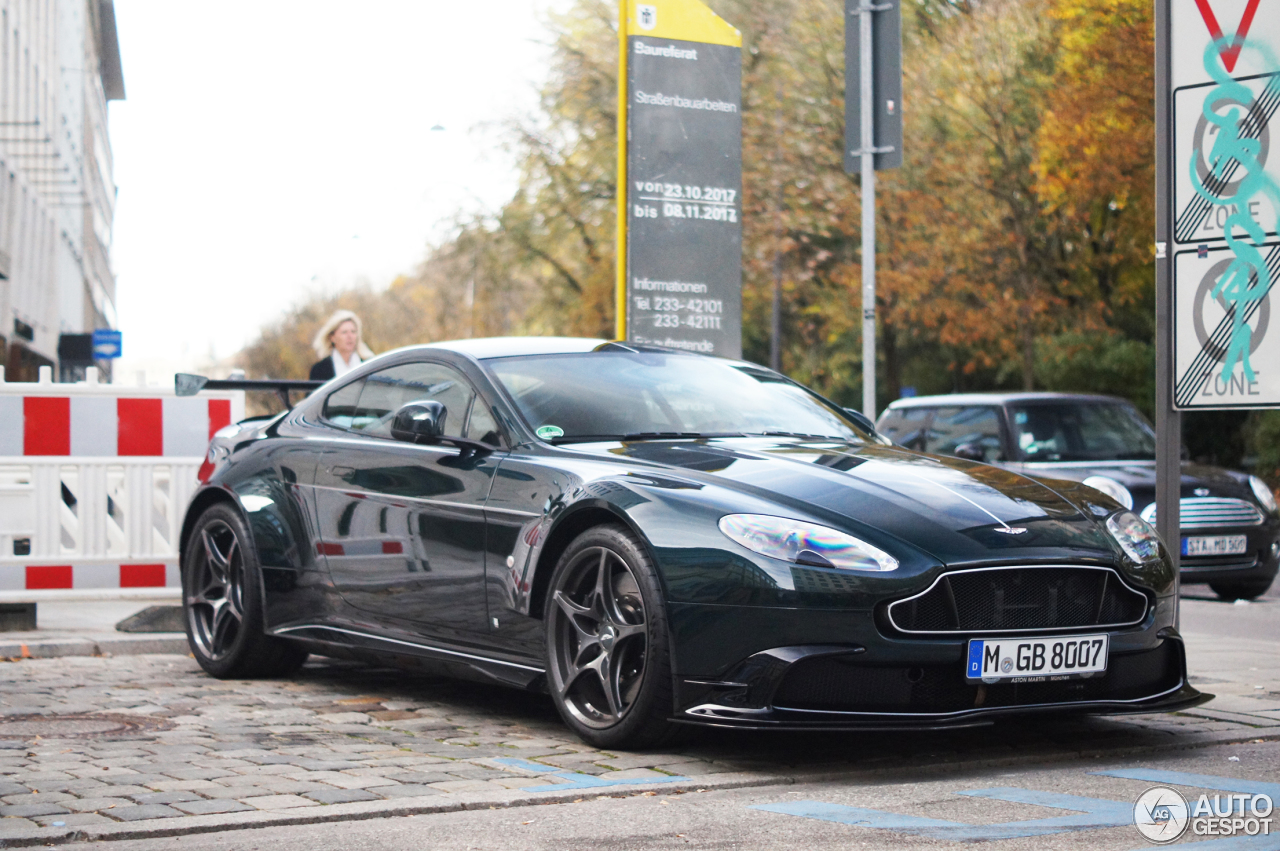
column 576, row 521
column 199, row 504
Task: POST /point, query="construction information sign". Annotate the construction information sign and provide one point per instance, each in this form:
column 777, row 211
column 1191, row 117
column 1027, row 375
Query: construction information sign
column 684, row 178
column 1226, row 199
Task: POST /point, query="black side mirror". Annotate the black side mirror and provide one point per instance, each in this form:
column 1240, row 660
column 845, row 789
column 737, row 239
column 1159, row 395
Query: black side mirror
column 970, row 452
column 419, row 422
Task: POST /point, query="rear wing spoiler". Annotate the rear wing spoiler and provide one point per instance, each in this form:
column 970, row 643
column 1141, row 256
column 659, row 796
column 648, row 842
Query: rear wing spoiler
column 186, row 384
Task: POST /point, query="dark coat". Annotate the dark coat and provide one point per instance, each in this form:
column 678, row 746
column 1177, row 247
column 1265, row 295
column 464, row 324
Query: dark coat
column 322, row 370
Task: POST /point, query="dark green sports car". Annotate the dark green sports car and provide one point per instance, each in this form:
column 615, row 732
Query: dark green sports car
column 658, row 538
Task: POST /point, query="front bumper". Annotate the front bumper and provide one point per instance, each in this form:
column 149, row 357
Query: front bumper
column 1260, row 560
column 832, row 687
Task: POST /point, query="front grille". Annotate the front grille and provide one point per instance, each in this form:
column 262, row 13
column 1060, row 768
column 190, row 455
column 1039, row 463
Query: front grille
column 1204, row 512
column 838, row 684
column 1020, row 599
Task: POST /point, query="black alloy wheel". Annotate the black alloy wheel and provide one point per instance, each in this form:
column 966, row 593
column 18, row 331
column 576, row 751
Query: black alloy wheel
column 608, row 654
column 215, row 603
column 222, row 602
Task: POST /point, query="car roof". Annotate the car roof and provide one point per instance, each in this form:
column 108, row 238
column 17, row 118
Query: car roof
column 505, row 347
column 1002, row 399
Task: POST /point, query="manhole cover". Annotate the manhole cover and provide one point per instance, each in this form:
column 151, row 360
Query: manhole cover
column 76, row 726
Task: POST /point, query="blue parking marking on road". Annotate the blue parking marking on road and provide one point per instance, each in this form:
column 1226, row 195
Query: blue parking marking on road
column 1199, row 781
column 1092, row 814
column 1088, row 813
column 578, row 780
column 858, row 816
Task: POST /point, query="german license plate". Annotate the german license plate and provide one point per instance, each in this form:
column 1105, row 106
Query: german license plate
column 1215, row 545
column 1036, row 660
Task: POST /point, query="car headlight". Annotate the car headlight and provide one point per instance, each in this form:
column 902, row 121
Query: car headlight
column 804, row 543
column 1111, row 488
column 1135, row 536
column 1265, row 497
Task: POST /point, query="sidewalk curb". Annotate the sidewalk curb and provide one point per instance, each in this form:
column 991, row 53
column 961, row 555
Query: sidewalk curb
column 124, row 644
column 324, row 813
column 364, row 810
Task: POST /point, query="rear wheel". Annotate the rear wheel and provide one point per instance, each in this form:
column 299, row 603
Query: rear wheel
column 608, row 651
column 1249, row 590
column 222, row 602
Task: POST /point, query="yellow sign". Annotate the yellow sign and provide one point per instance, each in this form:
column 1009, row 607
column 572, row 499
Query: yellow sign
column 680, row 20
column 684, row 20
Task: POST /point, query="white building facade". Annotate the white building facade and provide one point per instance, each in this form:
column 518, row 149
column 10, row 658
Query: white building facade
column 59, row 66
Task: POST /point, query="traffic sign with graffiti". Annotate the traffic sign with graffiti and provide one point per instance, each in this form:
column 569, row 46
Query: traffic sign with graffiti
column 1226, row 199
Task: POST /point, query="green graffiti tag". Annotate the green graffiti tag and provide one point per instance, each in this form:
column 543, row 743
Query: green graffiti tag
column 1247, row 280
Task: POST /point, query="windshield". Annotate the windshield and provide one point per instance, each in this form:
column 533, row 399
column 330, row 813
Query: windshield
column 615, row 394
column 1082, row 432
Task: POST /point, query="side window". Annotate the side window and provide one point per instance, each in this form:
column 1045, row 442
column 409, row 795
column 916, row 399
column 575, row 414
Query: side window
column 387, row 391
column 340, row 407
column 952, row 427
column 905, row 426
column 482, row 426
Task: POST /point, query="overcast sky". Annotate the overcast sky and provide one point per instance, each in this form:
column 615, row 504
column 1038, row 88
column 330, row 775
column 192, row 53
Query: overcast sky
column 268, row 148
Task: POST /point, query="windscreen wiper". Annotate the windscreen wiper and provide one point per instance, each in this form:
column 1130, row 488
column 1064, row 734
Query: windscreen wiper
column 800, row 434
column 644, row 435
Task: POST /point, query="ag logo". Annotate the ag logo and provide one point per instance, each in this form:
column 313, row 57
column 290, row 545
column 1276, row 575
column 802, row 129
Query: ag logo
column 1160, row 814
column 646, row 16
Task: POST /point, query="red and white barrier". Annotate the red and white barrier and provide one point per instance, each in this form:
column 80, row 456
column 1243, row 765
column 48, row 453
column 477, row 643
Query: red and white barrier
column 94, row 482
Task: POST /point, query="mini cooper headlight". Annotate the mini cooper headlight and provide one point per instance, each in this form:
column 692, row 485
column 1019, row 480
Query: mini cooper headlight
column 804, row 543
column 1265, row 497
column 1135, row 536
column 1111, row 488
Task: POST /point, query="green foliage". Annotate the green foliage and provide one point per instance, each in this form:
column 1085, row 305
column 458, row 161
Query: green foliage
column 1262, row 440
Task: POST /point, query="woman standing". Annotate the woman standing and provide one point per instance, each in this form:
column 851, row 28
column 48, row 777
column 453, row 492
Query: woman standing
column 339, row 345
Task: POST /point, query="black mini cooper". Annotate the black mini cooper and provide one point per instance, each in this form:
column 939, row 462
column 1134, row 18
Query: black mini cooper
column 1230, row 526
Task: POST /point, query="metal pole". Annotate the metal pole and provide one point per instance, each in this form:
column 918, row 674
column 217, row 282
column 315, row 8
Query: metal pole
column 775, row 318
column 868, row 219
column 1168, row 420
column 620, row 268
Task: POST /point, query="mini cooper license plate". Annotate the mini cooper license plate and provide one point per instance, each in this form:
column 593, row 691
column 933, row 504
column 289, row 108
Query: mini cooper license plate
column 1215, row 545
column 1036, row 660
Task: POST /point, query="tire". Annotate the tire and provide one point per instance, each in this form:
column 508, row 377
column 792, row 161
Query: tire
column 222, row 602
column 607, row 642
column 1243, row 590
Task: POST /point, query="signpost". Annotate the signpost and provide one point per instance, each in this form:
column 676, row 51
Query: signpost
column 1225, row 203
column 873, row 140
column 680, row 178
column 108, row 344
column 1217, row 208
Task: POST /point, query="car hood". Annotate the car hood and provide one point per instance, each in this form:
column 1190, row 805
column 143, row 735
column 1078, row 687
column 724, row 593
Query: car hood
column 1140, row 477
column 954, row 510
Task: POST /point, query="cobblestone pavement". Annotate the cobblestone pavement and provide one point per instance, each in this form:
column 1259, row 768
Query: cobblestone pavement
column 150, row 745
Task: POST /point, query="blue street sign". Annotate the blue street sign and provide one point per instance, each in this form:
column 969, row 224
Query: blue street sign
column 106, row 344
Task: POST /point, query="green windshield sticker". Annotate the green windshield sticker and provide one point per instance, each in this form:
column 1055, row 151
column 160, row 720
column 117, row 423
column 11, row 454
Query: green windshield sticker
column 548, row 432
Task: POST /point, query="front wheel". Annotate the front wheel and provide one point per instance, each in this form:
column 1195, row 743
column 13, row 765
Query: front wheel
column 222, row 602
column 608, row 650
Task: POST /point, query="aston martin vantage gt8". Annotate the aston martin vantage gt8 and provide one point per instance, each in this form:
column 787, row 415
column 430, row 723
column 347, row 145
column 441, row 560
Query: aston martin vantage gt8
column 658, row 538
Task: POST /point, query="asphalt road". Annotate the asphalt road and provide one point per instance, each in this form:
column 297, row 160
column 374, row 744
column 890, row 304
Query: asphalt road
column 782, row 817
column 1204, row 613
